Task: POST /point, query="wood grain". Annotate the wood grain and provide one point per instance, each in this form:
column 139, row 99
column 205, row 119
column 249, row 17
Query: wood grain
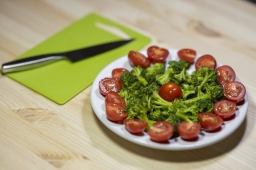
column 36, row 133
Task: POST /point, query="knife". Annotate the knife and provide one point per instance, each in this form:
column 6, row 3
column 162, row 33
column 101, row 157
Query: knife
column 73, row 56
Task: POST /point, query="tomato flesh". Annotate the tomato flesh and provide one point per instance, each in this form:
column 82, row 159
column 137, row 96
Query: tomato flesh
column 109, row 84
column 210, row 121
column 114, row 97
column 234, row 91
column 115, row 112
column 225, row 74
column 161, row 131
column 116, row 73
column 170, row 91
column 188, row 130
column 205, row 61
column 135, row 126
column 138, row 59
column 224, row 108
column 157, row 54
column 187, row 54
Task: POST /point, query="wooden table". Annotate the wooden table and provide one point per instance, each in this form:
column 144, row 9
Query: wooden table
column 36, row 133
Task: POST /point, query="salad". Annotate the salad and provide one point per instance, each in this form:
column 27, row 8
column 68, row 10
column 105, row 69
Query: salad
column 170, row 101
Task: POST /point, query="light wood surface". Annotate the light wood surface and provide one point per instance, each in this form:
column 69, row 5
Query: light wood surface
column 36, row 133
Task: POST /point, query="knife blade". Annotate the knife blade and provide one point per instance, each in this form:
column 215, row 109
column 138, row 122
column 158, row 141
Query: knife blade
column 73, row 56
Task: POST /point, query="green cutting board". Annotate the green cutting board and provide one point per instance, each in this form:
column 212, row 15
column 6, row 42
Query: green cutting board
column 62, row 80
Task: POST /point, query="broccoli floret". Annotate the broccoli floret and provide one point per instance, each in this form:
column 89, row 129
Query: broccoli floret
column 139, row 72
column 138, row 108
column 175, row 67
column 158, row 102
column 174, row 120
column 181, row 77
column 153, row 71
column 158, row 114
column 188, row 113
column 130, row 86
column 187, row 90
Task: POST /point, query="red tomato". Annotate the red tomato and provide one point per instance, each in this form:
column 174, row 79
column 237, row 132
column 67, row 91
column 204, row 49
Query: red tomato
column 138, row 59
column 161, row 131
column 210, row 121
column 170, row 91
column 157, row 54
column 187, row 54
column 205, row 61
column 135, row 126
column 115, row 112
column 114, row 97
column 109, row 84
column 224, row 108
column 188, row 130
column 116, row 73
column 234, row 91
column 225, row 73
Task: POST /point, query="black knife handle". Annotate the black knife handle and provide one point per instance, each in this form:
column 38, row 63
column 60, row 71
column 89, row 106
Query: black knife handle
column 30, row 63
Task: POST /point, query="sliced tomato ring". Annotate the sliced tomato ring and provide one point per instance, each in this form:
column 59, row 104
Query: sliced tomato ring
column 138, row 59
column 224, row 108
column 157, row 54
column 234, row 91
column 225, row 73
column 135, row 126
column 116, row 73
column 114, row 97
column 205, row 61
column 188, row 130
column 109, row 84
column 161, row 131
column 187, row 54
column 210, row 121
column 115, row 112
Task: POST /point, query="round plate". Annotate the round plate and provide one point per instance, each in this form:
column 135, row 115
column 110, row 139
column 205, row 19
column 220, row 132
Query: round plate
column 204, row 138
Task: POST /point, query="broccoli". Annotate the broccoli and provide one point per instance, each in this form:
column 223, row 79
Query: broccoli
column 139, row 72
column 181, row 77
column 200, row 90
column 153, row 71
column 175, row 68
column 139, row 108
column 130, row 86
column 187, row 90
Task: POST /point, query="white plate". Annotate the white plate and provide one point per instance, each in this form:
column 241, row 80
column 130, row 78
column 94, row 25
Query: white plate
column 204, row 138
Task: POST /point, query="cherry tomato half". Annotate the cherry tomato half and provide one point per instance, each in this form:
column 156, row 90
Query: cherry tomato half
column 157, row 54
column 224, row 108
column 135, row 126
column 138, row 59
column 116, row 73
column 210, row 121
column 115, row 112
column 170, row 91
column 205, row 61
column 109, row 84
column 161, row 131
column 234, row 91
column 187, row 54
column 188, row 130
column 114, row 97
column 225, row 73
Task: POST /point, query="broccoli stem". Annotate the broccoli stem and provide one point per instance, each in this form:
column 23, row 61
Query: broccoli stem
column 206, row 78
column 193, row 100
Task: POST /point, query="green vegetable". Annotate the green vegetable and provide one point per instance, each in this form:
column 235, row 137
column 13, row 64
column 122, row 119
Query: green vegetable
column 200, row 90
